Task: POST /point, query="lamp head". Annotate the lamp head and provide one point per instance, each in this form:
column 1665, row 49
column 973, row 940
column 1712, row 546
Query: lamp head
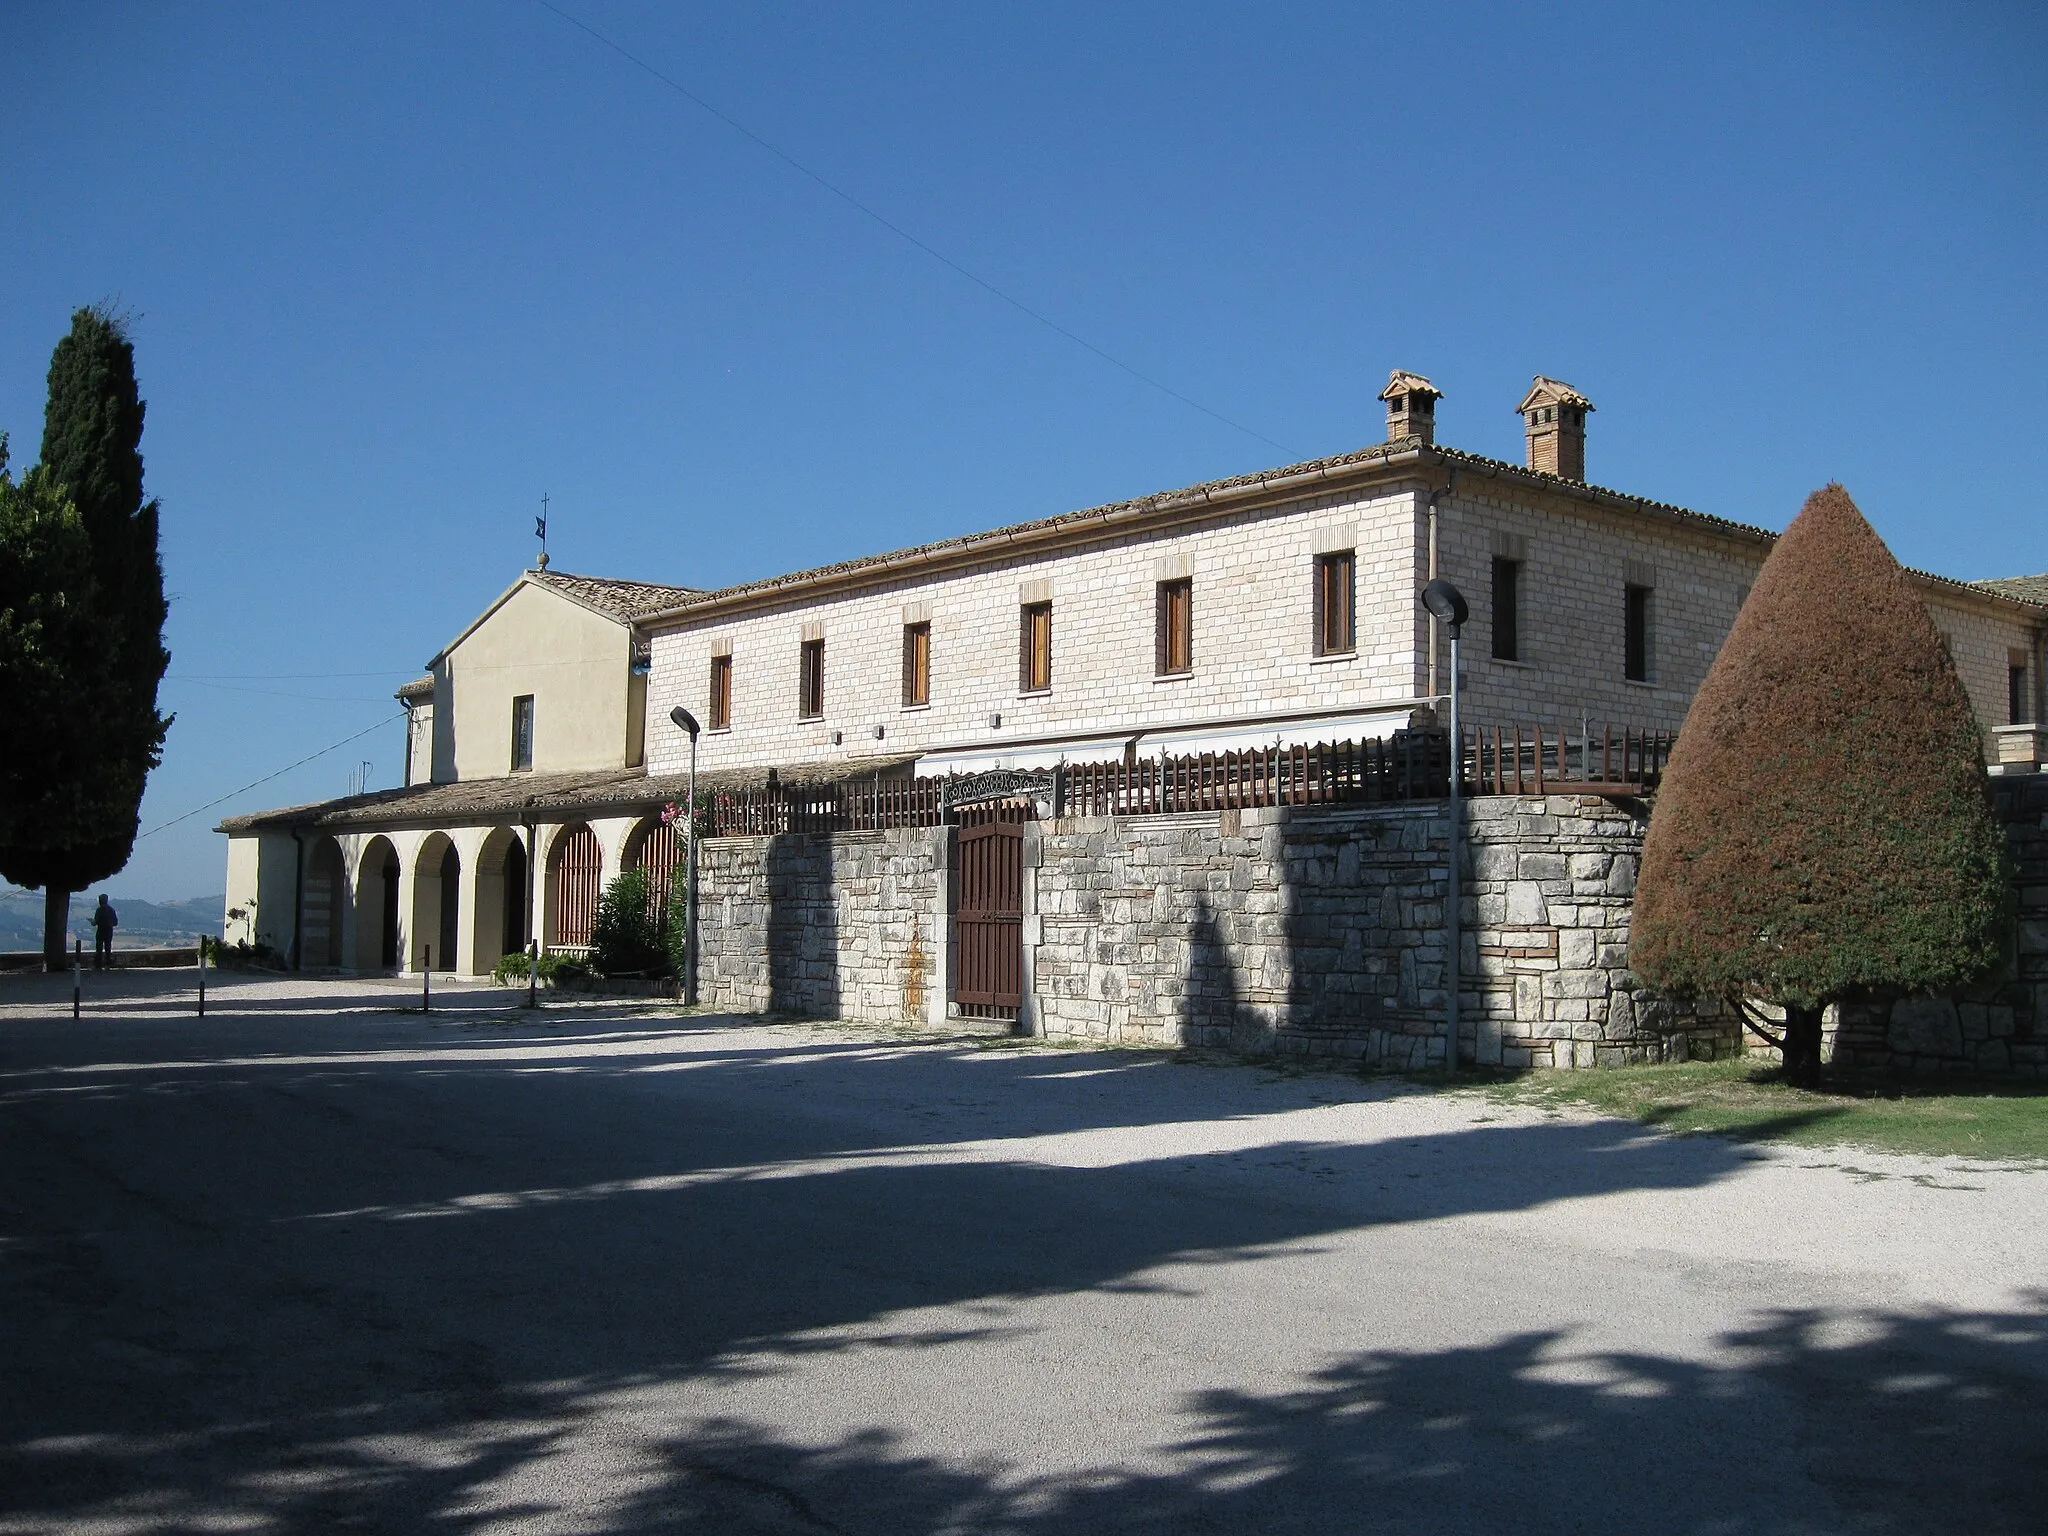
column 685, row 719
column 1446, row 602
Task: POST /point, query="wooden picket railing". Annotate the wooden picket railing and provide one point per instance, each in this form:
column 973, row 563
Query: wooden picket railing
column 841, row 807
column 1525, row 760
column 1409, row 765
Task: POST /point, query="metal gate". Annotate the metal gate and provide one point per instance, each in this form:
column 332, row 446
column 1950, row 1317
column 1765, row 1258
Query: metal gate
column 988, row 919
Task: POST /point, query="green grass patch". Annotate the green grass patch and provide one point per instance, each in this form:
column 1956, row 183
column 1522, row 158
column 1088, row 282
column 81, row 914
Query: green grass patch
column 1992, row 1118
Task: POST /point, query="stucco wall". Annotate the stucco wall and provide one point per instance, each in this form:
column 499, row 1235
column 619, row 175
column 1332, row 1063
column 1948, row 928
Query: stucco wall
column 574, row 663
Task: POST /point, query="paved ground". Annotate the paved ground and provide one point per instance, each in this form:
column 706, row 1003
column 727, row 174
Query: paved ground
column 313, row 1263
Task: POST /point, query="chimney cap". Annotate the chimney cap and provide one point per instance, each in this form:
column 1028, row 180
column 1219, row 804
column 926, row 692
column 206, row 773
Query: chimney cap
column 1401, row 382
column 1546, row 391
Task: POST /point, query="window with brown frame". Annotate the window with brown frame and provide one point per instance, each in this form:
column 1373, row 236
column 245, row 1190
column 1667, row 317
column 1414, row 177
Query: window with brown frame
column 1174, row 641
column 720, row 708
column 917, row 664
column 1034, row 650
column 810, row 697
column 1335, row 622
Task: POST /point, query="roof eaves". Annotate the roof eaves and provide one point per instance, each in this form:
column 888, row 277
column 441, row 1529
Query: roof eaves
column 1163, row 505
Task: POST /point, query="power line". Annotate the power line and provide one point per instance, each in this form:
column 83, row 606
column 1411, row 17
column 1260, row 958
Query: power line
column 903, row 234
column 287, row 768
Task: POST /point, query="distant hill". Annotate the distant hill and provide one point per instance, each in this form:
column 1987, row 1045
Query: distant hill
column 144, row 924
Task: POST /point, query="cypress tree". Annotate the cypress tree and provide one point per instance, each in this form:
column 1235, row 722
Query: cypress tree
column 76, row 819
column 1824, row 831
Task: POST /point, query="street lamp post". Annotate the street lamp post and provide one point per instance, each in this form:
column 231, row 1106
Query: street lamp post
column 688, row 722
column 1447, row 603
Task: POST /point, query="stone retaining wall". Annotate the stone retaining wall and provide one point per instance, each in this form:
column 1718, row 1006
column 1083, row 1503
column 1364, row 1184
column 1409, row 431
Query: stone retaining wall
column 2001, row 1026
column 1320, row 931
column 847, row 925
column 1311, row 930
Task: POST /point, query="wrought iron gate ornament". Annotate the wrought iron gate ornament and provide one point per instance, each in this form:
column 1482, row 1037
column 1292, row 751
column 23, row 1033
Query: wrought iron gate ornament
column 996, row 784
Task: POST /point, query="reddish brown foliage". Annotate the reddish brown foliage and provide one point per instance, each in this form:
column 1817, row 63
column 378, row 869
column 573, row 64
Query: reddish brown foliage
column 1824, row 829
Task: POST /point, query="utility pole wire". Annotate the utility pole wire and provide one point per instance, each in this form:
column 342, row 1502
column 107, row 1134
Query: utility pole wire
column 287, row 768
column 903, row 234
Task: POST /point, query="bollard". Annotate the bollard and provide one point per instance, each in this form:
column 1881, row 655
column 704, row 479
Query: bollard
column 77, row 955
column 427, row 980
column 202, row 978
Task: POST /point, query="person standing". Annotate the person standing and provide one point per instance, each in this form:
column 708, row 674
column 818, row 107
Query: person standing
column 104, row 921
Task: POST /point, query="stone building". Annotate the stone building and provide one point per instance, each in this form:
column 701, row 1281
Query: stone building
column 1264, row 609
column 1267, row 609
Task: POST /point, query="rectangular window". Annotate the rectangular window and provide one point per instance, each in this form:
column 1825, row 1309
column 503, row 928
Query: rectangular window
column 1335, row 631
column 810, row 698
column 1507, row 609
column 1174, row 648
column 522, row 733
column 917, row 663
column 2016, row 701
column 1638, row 655
column 720, row 706
column 1034, row 651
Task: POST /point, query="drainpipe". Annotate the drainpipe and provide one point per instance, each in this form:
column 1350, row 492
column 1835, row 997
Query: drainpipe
column 1435, row 677
column 298, row 894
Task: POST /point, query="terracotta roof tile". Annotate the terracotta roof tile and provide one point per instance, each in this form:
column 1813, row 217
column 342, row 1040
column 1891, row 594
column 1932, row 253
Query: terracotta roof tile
column 616, row 596
column 553, row 795
column 2027, row 589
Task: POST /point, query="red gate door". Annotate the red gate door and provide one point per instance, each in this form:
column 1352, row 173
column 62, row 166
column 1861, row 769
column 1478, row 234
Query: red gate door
column 988, row 926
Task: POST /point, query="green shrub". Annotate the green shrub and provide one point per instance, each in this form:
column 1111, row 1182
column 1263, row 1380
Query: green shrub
column 626, row 937
column 552, row 967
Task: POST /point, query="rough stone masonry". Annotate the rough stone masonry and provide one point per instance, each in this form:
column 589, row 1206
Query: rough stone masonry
column 1321, row 931
column 1313, row 931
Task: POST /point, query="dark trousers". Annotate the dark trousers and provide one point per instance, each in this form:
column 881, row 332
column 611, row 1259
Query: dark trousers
column 102, row 947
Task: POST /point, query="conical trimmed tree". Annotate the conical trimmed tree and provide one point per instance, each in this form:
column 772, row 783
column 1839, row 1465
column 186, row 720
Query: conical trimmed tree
column 1824, row 831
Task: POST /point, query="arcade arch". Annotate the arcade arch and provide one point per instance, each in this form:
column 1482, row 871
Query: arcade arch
column 326, row 899
column 498, row 912
column 436, row 902
column 377, row 882
column 575, row 879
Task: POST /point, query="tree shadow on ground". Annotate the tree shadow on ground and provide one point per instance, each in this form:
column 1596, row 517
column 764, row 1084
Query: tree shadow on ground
column 391, row 1291
column 1915, row 1424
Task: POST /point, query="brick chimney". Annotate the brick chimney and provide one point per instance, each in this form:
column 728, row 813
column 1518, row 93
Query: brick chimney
column 1554, row 421
column 1411, row 406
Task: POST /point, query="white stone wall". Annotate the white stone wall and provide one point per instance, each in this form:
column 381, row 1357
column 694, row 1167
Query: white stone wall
column 1577, row 560
column 1253, row 620
column 1253, row 614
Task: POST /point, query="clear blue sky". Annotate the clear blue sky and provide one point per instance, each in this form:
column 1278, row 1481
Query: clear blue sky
column 400, row 269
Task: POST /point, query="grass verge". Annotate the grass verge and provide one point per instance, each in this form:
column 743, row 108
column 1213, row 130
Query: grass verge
column 1991, row 1118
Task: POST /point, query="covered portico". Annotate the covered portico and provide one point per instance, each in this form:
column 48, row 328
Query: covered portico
column 465, row 872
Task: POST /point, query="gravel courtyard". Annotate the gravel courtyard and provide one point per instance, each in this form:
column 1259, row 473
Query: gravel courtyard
column 316, row 1263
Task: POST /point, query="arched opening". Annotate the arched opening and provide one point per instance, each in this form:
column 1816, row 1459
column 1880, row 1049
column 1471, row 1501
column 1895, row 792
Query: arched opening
column 377, row 906
column 326, row 895
column 575, row 876
column 498, row 921
column 436, row 898
column 657, row 846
